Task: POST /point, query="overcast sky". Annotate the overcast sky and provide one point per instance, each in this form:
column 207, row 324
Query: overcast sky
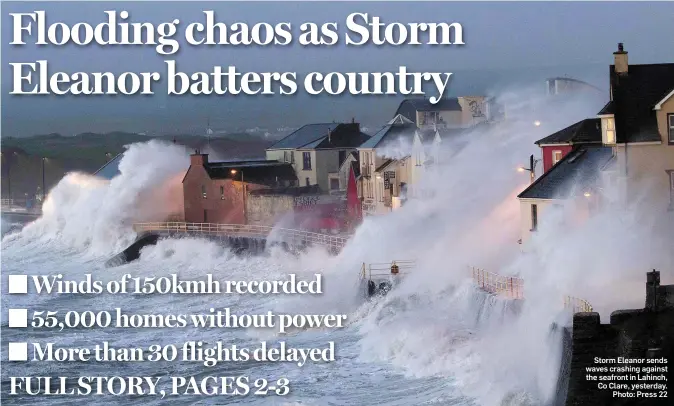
column 498, row 35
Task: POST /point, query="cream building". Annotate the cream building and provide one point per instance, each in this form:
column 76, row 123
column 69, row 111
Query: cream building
column 455, row 112
column 631, row 151
column 316, row 151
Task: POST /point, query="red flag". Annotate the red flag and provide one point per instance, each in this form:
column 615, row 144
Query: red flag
column 353, row 205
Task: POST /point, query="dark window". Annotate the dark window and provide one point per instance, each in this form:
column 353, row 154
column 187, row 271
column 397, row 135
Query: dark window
column 203, row 191
column 205, row 216
column 307, row 182
column 334, row 184
column 306, row 159
column 534, row 217
column 670, row 122
column 222, row 193
column 342, row 157
column 292, row 157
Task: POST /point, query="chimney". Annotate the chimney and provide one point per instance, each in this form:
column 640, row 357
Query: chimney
column 197, row 159
column 620, row 57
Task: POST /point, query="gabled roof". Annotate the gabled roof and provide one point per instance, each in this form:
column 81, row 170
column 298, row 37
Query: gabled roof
column 395, row 130
column 323, row 136
column 384, row 165
column 409, row 107
column 635, row 95
column 575, row 172
column 609, row 108
column 288, row 191
column 658, row 105
column 586, row 131
column 111, row 168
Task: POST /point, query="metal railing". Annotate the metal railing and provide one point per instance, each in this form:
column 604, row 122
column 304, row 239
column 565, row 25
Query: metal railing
column 577, row 304
column 381, row 269
column 513, row 288
column 246, row 230
column 507, row 286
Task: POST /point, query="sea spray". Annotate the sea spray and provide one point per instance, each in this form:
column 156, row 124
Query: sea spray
column 87, row 212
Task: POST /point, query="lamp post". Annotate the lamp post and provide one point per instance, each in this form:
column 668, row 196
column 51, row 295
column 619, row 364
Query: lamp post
column 243, row 190
column 531, row 168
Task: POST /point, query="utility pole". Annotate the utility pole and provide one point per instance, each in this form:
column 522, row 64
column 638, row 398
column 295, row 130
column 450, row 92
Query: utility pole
column 43, row 190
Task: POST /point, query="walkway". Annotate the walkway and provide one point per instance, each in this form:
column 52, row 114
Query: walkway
column 513, row 288
column 289, row 236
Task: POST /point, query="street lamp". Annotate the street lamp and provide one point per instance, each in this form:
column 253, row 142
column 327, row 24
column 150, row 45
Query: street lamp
column 531, row 168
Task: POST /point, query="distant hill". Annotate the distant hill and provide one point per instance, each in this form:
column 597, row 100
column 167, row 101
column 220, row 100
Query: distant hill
column 86, row 152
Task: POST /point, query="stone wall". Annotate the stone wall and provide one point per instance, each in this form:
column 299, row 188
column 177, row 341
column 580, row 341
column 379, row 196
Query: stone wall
column 642, row 333
column 265, row 210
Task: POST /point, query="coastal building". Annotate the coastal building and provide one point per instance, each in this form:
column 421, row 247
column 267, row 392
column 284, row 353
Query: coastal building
column 385, row 165
column 557, row 145
column 638, row 122
column 565, row 85
column 352, row 162
column 316, row 152
column 625, row 153
column 453, row 112
column 217, row 192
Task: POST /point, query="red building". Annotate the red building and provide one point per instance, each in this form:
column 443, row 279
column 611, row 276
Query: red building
column 216, row 192
column 556, row 146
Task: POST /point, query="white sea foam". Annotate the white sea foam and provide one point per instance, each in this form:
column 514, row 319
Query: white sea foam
column 434, row 338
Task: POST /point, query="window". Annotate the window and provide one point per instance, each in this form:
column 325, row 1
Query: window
column 608, row 125
column 292, row 157
column 670, row 121
column 222, row 193
column 307, row 183
column 306, row 160
column 286, row 156
column 334, row 184
column 205, row 216
column 203, row 191
column 534, row 217
column 556, row 156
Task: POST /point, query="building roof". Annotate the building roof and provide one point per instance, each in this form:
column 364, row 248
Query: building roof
column 396, row 129
column 111, row 168
column 355, row 163
column 323, row 136
column 576, row 171
column 253, row 171
column 586, row 131
column 288, row 191
column 572, row 80
column 609, row 108
column 635, row 94
column 409, row 107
